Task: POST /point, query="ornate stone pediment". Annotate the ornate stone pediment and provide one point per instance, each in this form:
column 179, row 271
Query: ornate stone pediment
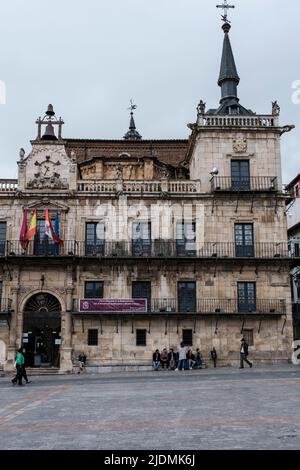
column 50, row 204
column 49, row 167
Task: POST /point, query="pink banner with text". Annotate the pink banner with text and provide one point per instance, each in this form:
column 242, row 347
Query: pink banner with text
column 113, row 305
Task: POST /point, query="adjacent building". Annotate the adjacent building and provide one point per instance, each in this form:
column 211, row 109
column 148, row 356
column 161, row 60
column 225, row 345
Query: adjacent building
column 163, row 241
column 293, row 219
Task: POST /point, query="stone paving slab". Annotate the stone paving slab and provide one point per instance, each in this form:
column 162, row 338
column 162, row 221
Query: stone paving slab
column 208, row 409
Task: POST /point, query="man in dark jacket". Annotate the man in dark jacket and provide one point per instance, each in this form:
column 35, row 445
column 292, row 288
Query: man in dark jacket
column 244, row 354
column 172, row 358
column 156, row 360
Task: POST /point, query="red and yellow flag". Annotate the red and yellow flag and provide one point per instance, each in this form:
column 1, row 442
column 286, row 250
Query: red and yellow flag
column 32, row 231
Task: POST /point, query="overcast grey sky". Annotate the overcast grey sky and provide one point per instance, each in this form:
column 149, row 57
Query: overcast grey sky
column 89, row 57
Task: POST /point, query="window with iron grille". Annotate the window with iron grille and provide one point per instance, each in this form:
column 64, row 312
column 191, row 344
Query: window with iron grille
column 2, row 237
column 248, row 335
column 141, row 336
column 187, row 337
column 93, row 290
column 94, row 239
column 93, row 337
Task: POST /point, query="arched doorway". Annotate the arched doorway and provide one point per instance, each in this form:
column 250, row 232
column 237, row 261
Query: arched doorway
column 41, row 330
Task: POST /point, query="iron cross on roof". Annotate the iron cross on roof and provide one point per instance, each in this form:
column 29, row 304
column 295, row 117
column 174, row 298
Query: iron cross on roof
column 225, row 7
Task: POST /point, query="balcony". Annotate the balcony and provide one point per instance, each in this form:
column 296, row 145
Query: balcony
column 217, row 307
column 246, row 184
column 153, row 187
column 264, row 121
column 8, row 185
column 149, row 249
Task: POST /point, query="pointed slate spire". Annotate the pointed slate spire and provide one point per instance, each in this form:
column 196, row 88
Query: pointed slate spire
column 228, row 79
column 132, row 134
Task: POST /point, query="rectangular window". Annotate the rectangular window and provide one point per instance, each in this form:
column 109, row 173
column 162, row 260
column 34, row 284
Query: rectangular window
column 248, row 335
column 186, row 239
column 142, row 290
column 240, row 175
column 141, row 336
column 141, row 238
column 297, row 249
column 94, row 239
column 43, row 246
column 244, row 240
column 93, row 337
column 0, row 292
column 2, row 237
column 93, row 290
column 186, row 296
column 187, row 337
column 246, row 297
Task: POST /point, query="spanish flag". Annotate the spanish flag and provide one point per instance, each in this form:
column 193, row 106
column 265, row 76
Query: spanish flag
column 32, row 231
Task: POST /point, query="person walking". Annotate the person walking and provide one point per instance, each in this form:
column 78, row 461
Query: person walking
column 182, row 352
column 19, row 366
column 244, row 354
column 214, row 356
column 24, row 373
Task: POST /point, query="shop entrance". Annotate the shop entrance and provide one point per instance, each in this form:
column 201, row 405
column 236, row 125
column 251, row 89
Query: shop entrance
column 42, row 331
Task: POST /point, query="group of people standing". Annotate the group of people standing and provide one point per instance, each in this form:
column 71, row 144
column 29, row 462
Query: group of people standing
column 21, row 370
column 183, row 359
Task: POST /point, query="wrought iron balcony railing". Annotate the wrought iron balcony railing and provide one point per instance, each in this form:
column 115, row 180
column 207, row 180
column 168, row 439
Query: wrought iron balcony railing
column 150, row 249
column 210, row 306
column 250, row 183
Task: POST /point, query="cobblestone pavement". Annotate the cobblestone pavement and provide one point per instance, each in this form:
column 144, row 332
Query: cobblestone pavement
column 208, row 409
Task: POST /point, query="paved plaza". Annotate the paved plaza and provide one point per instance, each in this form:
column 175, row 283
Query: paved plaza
column 208, row 409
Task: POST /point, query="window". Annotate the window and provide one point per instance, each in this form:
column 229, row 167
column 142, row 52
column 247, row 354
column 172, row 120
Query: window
column 246, row 297
column 142, row 290
column 0, row 292
column 248, row 335
column 240, row 175
column 93, row 337
column 2, row 237
column 43, row 245
column 296, row 191
column 93, row 290
column 186, row 296
column 141, row 336
column 94, row 239
column 297, row 249
column 186, row 239
column 187, row 337
column 244, row 246
column 141, row 238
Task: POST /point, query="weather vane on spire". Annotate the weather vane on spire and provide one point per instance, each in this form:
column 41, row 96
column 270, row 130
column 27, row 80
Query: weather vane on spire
column 225, row 7
column 132, row 106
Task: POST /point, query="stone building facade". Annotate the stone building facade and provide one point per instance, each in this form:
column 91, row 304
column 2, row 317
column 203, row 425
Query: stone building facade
column 197, row 228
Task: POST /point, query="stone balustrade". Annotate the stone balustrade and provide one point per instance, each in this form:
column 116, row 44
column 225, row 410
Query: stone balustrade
column 140, row 187
column 248, row 121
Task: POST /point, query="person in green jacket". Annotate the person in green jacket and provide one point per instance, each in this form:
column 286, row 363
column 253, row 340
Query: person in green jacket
column 19, row 366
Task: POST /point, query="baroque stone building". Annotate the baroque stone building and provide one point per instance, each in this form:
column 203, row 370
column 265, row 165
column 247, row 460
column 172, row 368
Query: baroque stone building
column 164, row 240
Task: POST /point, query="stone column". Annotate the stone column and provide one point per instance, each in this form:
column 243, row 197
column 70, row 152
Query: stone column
column 12, row 346
column 66, row 364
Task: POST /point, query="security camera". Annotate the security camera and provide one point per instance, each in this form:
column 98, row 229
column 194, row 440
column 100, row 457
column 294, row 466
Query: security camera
column 214, row 172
